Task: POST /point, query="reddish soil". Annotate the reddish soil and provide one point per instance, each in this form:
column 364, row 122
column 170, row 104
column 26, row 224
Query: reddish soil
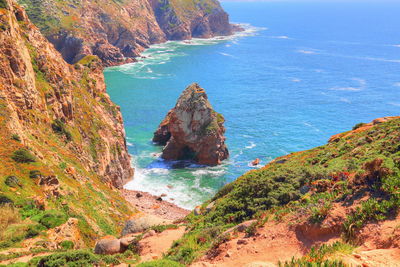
column 155, row 245
column 148, row 203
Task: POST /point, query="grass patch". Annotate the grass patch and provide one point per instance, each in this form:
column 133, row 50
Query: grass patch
column 161, row 263
column 162, row 228
column 23, row 156
column 59, row 128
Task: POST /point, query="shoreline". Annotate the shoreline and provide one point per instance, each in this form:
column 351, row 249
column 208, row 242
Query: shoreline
column 238, row 28
column 154, row 205
column 148, row 203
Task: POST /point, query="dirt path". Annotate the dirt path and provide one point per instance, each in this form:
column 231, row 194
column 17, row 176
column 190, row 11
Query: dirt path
column 154, row 246
column 23, row 259
column 272, row 244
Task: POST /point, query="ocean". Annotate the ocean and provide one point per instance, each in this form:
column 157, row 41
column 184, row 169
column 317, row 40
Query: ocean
column 299, row 73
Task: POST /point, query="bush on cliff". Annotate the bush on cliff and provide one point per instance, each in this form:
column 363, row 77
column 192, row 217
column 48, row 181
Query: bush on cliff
column 23, row 156
column 13, row 181
column 16, row 137
column 52, row 218
column 59, row 128
column 3, row 4
column 70, row 258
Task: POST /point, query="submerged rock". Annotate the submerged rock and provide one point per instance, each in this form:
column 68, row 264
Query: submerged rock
column 192, row 130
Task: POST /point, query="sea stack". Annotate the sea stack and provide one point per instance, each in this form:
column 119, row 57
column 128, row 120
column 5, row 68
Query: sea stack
column 192, row 130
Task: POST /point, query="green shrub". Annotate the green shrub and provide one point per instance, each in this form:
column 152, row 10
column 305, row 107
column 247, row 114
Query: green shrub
column 88, row 60
column 63, row 165
column 12, row 181
column 70, row 258
column 319, row 212
column 35, row 174
column 17, row 264
column 29, row 210
column 52, row 218
column 162, row 228
column 5, row 200
column 34, row 230
column 161, row 263
column 305, row 263
column 318, row 256
column 110, row 259
column 67, row 244
column 3, row 4
column 251, row 230
column 6, row 244
column 23, row 156
column 59, row 128
column 358, row 125
column 16, row 137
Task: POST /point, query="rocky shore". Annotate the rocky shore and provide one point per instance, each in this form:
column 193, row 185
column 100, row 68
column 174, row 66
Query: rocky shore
column 154, row 205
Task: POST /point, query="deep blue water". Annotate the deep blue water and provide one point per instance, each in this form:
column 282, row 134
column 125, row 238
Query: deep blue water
column 299, row 74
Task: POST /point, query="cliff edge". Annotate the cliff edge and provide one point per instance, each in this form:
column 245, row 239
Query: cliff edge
column 117, row 31
column 63, row 146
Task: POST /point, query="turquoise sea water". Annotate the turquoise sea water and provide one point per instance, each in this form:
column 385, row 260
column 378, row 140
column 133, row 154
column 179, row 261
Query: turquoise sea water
column 300, row 73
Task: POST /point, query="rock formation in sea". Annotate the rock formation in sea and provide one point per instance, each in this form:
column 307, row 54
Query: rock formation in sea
column 117, row 31
column 192, row 130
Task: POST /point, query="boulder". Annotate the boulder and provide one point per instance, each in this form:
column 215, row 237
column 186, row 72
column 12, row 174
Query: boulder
column 126, row 241
column 142, row 222
column 192, row 130
column 107, row 246
column 210, row 206
column 197, row 211
column 255, row 162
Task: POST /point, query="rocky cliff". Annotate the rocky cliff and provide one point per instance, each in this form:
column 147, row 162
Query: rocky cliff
column 184, row 20
column 192, row 130
column 62, row 139
column 117, row 31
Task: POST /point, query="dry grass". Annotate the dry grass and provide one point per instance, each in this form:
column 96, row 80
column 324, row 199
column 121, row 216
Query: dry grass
column 8, row 216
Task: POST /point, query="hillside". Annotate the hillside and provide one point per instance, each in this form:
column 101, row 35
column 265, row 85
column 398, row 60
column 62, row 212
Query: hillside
column 63, row 150
column 117, row 31
column 342, row 198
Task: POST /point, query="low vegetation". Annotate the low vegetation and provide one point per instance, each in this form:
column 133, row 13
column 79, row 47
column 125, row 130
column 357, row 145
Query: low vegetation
column 160, row 263
column 23, row 156
column 357, row 164
column 59, row 127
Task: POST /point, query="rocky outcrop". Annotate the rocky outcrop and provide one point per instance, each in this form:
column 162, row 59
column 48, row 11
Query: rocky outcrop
column 108, row 245
column 41, row 92
column 117, row 31
column 192, row 130
column 60, row 134
column 142, row 221
column 203, row 19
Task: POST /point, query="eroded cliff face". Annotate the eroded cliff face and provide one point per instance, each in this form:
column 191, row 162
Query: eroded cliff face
column 117, row 31
column 203, row 19
column 192, row 130
column 113, row 30
column 61, row 135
